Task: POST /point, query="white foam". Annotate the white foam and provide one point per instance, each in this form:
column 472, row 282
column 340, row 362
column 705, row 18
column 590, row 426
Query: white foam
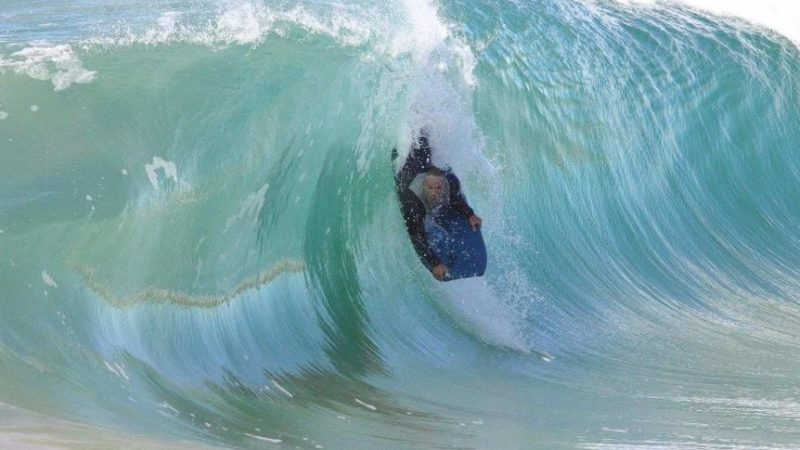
column 440, row 86
column 366, row 405
column 420, row 33
column 167, row 26
column 265, row 439
column 56, row 63
column 428, row 40
column 34, row 108
column 427, row 32
column 169, row 407
column 282, row 389
column 48, row 280
column 3, row 115
column 782, row 16
column 110, row 368
column 614, row 430
column 121, row 370
column 168, row 167
column 245, row 22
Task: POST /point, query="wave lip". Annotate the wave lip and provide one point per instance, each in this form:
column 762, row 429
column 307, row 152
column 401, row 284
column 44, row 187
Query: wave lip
column 781, row 16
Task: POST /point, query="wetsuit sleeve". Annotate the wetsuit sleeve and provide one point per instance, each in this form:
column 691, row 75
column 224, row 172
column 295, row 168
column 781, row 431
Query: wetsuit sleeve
column 413, row 216
column 457, row 199
column 418, row 161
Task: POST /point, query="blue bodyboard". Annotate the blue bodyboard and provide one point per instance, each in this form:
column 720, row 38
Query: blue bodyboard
column 459, row 247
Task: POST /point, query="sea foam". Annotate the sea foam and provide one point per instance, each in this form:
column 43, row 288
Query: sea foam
column 43, row 61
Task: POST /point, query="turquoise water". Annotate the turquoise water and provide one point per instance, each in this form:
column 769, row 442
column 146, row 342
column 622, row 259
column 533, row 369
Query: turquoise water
column 201, row 247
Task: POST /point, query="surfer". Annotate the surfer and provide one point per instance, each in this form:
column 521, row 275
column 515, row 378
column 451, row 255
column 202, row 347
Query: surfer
column 428, row 196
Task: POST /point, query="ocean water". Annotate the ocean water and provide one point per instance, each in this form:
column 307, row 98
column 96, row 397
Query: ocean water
column 200, row 245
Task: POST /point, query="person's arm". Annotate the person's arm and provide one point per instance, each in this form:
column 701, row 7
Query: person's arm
column 413, row 216
column 420, row 243
column 457, row 199
column 459, row 203
column 417, row 161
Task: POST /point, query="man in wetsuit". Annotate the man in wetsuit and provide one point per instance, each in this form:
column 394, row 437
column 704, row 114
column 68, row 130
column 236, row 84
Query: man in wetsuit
column 425, row 191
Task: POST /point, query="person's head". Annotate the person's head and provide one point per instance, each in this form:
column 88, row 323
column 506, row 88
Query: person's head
column 435, row 186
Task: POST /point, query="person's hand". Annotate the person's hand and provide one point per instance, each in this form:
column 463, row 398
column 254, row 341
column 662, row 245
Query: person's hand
column 440, row 272
column 475, row 222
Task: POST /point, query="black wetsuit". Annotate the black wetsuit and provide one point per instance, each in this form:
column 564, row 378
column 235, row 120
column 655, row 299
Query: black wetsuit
column 419, row 161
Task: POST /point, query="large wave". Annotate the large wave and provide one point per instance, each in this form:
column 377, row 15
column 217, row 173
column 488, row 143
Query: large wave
column 201, row 244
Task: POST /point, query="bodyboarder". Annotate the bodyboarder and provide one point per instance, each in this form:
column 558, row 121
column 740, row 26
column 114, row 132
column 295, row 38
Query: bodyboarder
column 434, row 208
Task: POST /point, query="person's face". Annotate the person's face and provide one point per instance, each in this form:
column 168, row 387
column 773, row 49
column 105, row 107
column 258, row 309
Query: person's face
column 434, row 188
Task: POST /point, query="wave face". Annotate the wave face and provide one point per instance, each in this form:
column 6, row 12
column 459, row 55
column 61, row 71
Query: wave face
column 201, row 247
